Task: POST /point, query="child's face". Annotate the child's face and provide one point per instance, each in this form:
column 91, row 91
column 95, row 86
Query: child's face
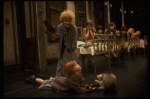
column 117, row 31
column 100, row 31
column 89, row 27
column 76, row 68
column 112, row 27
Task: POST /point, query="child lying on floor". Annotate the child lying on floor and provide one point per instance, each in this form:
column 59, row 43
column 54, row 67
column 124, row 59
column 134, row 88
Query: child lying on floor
column 74, row 80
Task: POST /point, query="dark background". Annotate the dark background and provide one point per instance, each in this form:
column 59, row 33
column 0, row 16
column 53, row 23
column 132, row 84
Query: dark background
column 138, row 20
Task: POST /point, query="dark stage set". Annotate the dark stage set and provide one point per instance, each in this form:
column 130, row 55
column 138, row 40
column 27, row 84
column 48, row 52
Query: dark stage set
column 136, row 15
column 132, row 74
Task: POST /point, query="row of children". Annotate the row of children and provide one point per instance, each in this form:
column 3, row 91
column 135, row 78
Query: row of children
column 125, row 35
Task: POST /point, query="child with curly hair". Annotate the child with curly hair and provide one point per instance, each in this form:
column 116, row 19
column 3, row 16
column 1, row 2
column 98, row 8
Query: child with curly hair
column 105, row 81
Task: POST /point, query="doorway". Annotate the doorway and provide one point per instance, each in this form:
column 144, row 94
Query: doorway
column 28, row 53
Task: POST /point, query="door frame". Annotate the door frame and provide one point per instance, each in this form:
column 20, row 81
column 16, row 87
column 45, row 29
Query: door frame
column 23, row 41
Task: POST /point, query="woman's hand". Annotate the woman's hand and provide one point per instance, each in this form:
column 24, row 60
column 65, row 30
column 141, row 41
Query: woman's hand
column 55, row 35
column 75, row 52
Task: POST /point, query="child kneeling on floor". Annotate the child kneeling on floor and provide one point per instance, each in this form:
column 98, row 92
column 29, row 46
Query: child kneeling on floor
column 74, row 80
column 106, row 82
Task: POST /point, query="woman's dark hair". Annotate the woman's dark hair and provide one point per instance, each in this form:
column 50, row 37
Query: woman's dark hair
column 99, row 27
column 89, row 22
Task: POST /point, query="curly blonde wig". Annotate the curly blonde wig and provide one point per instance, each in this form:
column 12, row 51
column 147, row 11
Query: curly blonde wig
column 67, row 14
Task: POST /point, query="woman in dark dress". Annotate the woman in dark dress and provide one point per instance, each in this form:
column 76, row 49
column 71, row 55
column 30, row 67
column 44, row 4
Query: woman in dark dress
column 67, row 35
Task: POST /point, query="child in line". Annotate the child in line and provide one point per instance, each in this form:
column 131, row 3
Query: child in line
column 89, row 32
column 111, row 31
column 130, row 32
column 99, row 30
column 135, row 40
